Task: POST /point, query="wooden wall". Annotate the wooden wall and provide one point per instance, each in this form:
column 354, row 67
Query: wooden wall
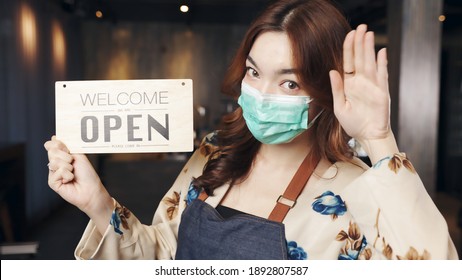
column 38, row 45
column 134, row 50
column 450, row 136
column 415, row 52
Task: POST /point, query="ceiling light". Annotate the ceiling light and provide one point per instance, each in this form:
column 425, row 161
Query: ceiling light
column 184, row 8
column 99, row 14
column 442, row 18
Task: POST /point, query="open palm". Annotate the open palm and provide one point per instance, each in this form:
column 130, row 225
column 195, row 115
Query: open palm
column 361, row 97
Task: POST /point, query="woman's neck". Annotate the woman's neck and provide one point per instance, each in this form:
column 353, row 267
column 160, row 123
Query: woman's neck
column 288, row 153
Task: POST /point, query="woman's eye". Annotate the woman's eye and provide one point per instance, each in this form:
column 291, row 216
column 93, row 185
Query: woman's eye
column 290, row 85
column 252, row 72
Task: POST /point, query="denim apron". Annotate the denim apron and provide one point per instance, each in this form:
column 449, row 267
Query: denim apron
column 204, row 234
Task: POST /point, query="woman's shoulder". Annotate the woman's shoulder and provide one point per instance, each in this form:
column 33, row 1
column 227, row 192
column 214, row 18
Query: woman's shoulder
column 342, row 173
column 355, row 166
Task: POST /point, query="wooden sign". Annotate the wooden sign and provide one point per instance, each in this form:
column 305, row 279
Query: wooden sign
column 125, row 116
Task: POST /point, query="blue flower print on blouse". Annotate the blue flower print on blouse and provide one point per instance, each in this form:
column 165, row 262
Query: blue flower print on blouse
column 193, row 193
column 119, row 217
column 329, row 204
column 352, row 253
column 115, row 222
column 294, row 252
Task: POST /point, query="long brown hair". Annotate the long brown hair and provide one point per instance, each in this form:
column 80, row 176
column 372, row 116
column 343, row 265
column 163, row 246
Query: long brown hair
column 316, row 29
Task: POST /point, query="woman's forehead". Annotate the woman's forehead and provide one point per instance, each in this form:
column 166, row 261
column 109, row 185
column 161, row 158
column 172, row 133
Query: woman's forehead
column 272, row 50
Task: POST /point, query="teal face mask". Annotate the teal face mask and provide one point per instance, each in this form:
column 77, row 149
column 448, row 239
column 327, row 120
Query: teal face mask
column 274, row 119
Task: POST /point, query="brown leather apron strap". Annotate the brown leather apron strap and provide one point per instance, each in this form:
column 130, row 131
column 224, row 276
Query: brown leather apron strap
column 287, row 200
column 203, row 196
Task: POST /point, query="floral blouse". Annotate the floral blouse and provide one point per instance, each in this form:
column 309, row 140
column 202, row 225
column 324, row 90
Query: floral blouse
column 353, row 212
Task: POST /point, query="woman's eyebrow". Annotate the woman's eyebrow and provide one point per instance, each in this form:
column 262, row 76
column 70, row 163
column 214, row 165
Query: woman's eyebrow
column 249, row 58
column 287, row 71
column 280, row 72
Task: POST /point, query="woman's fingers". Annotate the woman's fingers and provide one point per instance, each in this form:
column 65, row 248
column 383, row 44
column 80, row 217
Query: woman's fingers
column 57, row 149
column 337, row 90
column 60, row 163
column 57, row 163
column 55, row 144
column 382, row 70
column 359, row 48
column 59, row 154
column 61, row 172
column 370, row 65
column 348, row 54
column 59, row 177
column 359, row 54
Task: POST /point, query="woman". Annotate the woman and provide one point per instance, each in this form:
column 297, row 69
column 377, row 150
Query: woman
column 278, row 180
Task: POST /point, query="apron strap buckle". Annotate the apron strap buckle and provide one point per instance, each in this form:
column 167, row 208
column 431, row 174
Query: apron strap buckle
column 288, row 202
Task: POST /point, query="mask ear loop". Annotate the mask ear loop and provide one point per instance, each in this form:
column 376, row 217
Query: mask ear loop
column 334, row 165
column 315, row 118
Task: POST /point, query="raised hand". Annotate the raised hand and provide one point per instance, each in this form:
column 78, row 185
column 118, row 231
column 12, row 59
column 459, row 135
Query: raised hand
column 361, row 96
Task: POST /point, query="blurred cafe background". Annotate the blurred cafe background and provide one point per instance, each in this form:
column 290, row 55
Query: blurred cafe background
column 43, row 41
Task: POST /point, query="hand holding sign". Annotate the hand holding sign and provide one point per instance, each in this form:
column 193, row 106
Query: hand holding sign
column 73, row 177
column 113, row 117
column 125, row 116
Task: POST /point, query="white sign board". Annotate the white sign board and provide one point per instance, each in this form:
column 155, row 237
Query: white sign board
column 125, row 116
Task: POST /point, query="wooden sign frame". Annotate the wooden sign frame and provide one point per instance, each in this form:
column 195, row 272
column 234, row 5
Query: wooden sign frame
column 125, row 116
